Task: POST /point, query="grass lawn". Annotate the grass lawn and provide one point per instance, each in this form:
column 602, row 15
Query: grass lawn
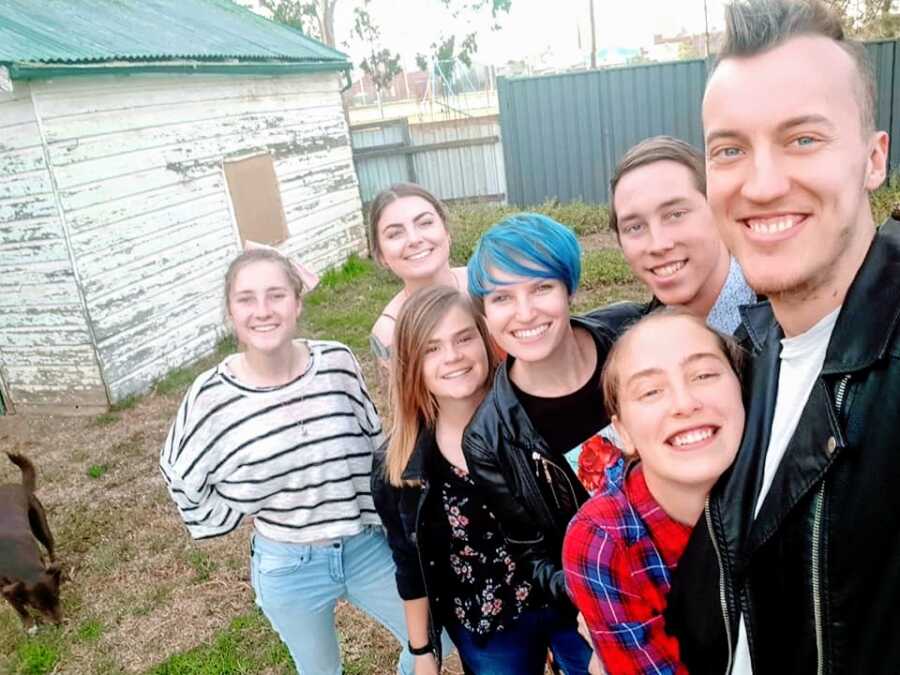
column 143, row 598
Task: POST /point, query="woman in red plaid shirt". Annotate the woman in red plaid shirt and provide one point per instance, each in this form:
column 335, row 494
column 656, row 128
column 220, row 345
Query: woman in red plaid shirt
column 676, row 404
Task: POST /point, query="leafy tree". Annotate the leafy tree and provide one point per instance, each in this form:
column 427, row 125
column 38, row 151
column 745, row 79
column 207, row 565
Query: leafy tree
column 380, row 64
column 314, row 18
column 869, row 19
column 452, row 47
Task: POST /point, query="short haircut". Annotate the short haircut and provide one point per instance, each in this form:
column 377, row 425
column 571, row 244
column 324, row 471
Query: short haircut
column 609, row 378
column 525, row 245
column 756, row 26
column 650, row 151
column 388, row 196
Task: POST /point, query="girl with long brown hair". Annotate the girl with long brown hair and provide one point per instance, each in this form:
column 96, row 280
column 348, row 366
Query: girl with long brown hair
column 409, row 236
column 453, row 567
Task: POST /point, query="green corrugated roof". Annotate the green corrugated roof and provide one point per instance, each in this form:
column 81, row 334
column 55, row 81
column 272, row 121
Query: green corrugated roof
column 78, row 32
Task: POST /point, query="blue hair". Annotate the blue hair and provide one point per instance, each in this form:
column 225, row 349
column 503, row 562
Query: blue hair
column 525, row 245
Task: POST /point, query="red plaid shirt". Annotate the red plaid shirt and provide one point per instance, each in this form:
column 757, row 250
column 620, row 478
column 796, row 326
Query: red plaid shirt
column 617, row 556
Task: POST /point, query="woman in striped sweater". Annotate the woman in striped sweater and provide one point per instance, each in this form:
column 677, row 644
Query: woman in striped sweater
column 284, row 432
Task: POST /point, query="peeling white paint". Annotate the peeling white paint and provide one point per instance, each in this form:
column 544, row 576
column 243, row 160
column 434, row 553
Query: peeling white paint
column 136, row 165
column 47, row 354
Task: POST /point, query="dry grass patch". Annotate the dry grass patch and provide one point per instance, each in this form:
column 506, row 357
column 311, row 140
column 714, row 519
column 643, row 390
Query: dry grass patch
column 142, row 597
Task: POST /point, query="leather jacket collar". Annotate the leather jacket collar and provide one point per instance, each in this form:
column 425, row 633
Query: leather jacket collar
column 516, row 424
column 861, row 337
column 416, row 470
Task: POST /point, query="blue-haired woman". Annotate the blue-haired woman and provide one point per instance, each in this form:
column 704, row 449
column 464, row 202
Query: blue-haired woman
column 545, row 402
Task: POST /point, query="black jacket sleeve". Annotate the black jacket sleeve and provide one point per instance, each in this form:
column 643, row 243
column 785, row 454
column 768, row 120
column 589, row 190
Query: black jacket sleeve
column 389, row 503
column 521, row 532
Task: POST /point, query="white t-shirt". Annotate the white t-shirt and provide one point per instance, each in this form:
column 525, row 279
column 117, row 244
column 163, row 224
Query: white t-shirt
column 802, row 357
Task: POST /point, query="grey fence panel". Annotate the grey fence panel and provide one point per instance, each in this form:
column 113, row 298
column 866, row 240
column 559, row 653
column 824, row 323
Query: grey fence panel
column 563, row 134
column 881, row 54
column 458, row 159
column 377, row 173
column 890, row 91
column 466, row 172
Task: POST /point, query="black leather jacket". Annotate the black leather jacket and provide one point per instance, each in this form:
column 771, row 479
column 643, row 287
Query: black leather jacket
column 817, row 574
column 406, row 512
column 533, row 493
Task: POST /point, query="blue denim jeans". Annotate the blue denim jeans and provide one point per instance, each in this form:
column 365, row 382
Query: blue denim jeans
column 521, row 647
column 297, row 586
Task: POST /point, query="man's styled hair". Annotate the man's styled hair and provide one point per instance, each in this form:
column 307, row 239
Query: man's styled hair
column 650, row 151
column 756, row 26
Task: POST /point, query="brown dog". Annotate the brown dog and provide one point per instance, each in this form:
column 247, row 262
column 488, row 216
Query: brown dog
column 24, row 579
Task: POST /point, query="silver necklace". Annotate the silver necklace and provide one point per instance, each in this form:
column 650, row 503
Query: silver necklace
column 299, row 423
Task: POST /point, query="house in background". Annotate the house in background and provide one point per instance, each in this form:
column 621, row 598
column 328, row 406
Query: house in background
column 140, row 140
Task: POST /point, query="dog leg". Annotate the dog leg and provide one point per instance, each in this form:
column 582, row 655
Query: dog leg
column 38, row 519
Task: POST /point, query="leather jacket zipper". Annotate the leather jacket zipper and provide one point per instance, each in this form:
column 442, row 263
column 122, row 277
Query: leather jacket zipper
column 816, row 583
column 541, row 461
column 816, row 557
column 722, row 598
column 840, row 393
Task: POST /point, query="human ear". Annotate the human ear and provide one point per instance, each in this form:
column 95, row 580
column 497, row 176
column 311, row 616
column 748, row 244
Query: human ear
column 627, row 444
column 876, row 164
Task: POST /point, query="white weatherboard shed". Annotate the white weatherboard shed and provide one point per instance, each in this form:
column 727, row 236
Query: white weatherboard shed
column 118, row 122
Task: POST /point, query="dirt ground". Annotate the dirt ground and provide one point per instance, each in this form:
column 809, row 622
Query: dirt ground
column 134, row 571
column 140, row 590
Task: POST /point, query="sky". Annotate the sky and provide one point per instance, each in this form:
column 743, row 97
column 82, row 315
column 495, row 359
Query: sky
column 532, row 26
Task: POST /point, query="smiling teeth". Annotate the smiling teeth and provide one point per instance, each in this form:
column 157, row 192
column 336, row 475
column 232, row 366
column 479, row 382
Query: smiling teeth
column 691, row 437
column 457, row 373
column 531, row 332
column 265, row 329
column 418, row 256
column 771, row 226
column 668, row 270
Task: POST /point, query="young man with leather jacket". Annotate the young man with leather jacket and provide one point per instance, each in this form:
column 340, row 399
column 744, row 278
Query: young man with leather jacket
column 794, row 566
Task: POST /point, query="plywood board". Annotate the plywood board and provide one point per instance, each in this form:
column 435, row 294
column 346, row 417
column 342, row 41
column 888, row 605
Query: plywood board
column 256, row 198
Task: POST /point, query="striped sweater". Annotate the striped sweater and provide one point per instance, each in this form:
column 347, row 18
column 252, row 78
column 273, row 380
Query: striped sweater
column 297, row 457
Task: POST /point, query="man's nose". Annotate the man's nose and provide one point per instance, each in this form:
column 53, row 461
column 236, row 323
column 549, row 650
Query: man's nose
column 660, row 238
column 767, row 180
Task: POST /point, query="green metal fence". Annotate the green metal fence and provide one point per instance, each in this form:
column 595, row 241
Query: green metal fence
column 563, row 134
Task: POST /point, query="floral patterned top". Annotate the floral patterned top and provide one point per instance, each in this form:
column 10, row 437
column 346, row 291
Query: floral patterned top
column 486, row 589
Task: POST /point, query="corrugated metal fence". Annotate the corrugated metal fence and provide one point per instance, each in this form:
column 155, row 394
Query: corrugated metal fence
column 563, row 134
column 456, row 159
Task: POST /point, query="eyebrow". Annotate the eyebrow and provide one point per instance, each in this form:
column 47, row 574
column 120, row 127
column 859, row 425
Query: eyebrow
column 697, row 356
column 672, row 202
column 669, row 203
column 415, row 219
column 455, row 335
column 800, row 120
column 266, row 290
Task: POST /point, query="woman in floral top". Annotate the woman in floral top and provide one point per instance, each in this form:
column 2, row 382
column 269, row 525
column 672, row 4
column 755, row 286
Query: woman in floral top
column 453, row 568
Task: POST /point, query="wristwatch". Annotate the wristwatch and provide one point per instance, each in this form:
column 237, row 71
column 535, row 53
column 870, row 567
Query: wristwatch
column 427, row 648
